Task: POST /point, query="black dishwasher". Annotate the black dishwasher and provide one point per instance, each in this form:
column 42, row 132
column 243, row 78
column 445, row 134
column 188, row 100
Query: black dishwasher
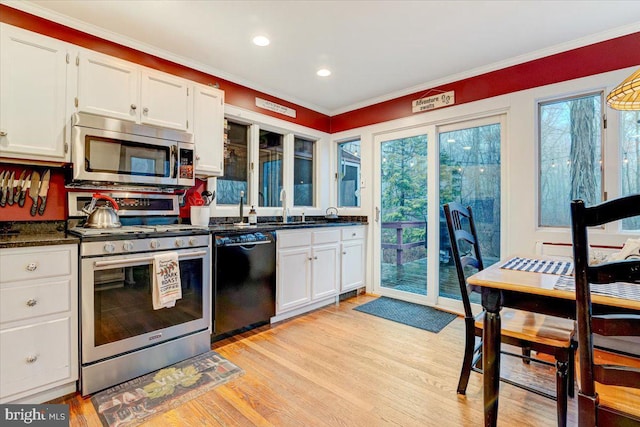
column 244, row 274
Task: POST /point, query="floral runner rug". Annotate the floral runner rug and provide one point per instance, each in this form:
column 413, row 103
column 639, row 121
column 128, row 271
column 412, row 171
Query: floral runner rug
column 135, row 401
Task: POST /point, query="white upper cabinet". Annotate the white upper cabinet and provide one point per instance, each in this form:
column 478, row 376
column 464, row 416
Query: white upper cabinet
column 111, row 87
column 108, row 86
column 164, row 99
column 34, row 78
column 208, row 130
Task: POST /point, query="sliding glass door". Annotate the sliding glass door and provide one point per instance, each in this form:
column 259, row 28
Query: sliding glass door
column 470, row 174
column 401, row 213
column 417, row 171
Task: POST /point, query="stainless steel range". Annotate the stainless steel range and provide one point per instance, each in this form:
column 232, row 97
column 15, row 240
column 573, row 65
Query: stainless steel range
column 122, row 335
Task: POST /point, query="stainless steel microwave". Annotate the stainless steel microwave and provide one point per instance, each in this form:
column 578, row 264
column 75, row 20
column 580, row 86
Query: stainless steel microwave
column 108, row 151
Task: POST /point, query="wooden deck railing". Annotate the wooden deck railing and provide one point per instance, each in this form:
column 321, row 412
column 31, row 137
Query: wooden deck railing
column 399, row 246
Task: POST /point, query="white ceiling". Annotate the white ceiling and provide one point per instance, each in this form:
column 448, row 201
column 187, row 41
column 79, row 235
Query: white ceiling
column 376, row 50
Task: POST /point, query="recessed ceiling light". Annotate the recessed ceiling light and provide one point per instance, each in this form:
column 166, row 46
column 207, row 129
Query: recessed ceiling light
column 323, row 72
column 261, row 41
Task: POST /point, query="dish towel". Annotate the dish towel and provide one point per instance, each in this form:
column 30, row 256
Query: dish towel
column 166, row 280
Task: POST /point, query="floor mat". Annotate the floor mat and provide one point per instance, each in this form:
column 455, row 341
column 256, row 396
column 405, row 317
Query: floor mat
column 408, row 313
column 135, row 401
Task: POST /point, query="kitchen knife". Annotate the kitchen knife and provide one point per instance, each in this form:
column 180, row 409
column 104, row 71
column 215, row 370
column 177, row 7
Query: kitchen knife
column 18, row 185
column 33, row 191
column 24, row 190
column 10, row 188
column 44, row 189
column 3, row 188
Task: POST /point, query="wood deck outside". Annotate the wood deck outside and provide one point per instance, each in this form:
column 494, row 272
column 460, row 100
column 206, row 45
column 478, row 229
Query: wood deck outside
column 340, row 367
column 412, row 277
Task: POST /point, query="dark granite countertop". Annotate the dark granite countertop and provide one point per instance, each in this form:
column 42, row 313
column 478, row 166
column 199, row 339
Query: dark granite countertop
column 45, row 233
column 279, row 226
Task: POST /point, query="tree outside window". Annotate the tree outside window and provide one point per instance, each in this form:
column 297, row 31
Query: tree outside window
column 570, row 156
column 630, row 159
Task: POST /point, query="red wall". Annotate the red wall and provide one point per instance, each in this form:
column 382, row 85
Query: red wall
column 614, row 54
column 56, row 208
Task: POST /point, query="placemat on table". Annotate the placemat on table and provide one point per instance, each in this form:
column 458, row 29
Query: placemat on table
column 539, row 265
column 618, row 289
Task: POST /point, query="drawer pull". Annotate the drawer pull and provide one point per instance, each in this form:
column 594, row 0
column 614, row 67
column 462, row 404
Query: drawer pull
column 32, row 266
column 32, row 359
column 32, row 302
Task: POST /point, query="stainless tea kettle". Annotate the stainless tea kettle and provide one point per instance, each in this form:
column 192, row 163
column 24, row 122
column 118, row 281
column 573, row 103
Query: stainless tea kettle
column 102, row 216
column 331, row 213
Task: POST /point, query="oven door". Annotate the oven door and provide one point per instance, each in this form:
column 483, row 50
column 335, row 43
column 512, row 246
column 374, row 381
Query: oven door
column 117, row 308
column 108, row 156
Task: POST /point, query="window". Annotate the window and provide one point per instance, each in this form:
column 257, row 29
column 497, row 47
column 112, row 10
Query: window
column 348, row 175
column 303, row 152
column 235, row 165
column 630, row 160
column 570, row 148
column 270, row 173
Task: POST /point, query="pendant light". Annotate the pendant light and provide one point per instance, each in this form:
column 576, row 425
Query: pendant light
column 626, row 96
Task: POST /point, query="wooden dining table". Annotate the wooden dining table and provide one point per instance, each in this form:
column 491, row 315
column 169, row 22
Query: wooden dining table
column 528, row 291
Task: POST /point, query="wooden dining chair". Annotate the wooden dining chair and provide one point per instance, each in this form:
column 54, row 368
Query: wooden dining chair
column 529, row 331
column 609, row 389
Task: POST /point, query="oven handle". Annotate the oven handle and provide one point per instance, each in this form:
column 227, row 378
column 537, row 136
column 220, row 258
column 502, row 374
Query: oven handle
column 141, row 260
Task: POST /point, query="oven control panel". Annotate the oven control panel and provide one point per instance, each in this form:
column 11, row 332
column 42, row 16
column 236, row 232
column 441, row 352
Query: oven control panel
column 115, row 247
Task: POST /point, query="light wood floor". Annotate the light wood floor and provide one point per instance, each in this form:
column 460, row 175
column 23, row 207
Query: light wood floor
column 340, row 367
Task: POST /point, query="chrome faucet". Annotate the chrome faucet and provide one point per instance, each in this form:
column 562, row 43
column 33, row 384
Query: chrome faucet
column 241, row 207
column 283, row 199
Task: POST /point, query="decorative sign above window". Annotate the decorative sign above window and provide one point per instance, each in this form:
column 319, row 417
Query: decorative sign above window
column 272, row 106
column 440, row 100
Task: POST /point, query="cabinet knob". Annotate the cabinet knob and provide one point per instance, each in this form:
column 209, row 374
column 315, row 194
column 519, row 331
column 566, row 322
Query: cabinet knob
column 353, row 235
column 315, row 257
column 32, row 302
column 3, row 133
column 32, row 359
column 197, row 157
column 310, row 259
column 344, row 253
column 134, row 106
column 145, row 110
column 32, row 266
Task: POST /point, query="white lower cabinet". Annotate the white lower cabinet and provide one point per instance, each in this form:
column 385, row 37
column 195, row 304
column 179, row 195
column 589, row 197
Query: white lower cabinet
column 293, row 278
column 307, row 269
column 325, row 270
column 38, row 323
column 312, row 267
column 353, row 258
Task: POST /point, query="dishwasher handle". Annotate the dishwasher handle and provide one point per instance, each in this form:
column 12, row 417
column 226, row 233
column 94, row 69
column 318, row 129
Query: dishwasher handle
column 261, row 242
